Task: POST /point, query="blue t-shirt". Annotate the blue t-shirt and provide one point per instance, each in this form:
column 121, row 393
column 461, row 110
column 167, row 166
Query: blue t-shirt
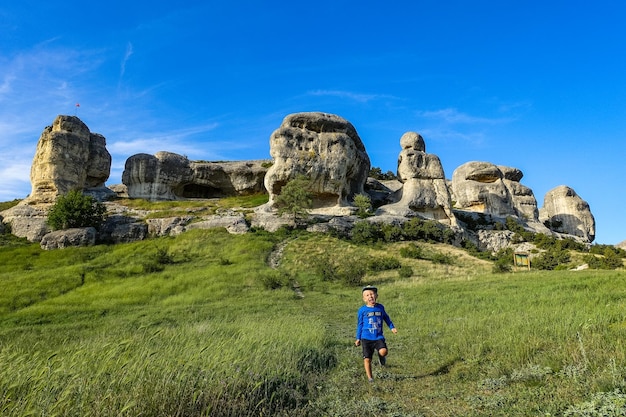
column 370, row 322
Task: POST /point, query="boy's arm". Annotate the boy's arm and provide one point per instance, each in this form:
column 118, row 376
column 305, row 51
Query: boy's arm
column 359, row 327
column 387, row 319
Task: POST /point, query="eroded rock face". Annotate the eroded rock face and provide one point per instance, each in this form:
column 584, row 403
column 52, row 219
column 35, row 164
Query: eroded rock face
column 424, row 191
column 478, row 187
column 487, row 188
column 522, row 197
column 169, row 176
column 59, row 239
column 564, row 211
column 68, row 157
column 323, row 147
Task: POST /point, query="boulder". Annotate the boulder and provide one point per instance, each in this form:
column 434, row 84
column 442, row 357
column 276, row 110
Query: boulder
column 169, row 176
column 80, row 236
column 326, row 149
column 424, row 191
column 382, row 192
column 234, row 223
column 27, row 221
column 479, row 187
column 170, row 226
column 122, row 229
column 564, row 211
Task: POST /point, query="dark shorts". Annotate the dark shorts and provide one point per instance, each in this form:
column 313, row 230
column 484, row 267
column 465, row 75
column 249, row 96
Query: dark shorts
column 369, row 346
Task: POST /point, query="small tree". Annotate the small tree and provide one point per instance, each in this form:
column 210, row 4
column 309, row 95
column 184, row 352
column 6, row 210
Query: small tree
column 295, row 198
column 75, row 209
column 363, row 203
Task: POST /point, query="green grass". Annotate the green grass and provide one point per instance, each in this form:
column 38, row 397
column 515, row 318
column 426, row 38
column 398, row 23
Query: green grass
column 188, row 326
column 195, row 207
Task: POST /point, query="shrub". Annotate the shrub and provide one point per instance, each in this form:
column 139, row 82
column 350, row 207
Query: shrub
column 363, row 203
column 440, row 258
column 610, row 260
column 412, row 252
column 383, row 264
column 352, row 272
column 428, row 230
column 405, row 272
column 501, row 266
column 365, row 232
column 76, row 210
column 551, row 258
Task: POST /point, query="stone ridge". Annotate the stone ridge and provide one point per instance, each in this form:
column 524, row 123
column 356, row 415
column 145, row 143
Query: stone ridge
column 323, row 147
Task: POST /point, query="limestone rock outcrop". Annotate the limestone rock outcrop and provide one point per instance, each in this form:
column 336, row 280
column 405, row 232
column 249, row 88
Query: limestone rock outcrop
column 323, row 147
column 487, row 188
column 424, row 191
column 59, row 239
column 68, row 157
column 169, row 176
column 565, row 212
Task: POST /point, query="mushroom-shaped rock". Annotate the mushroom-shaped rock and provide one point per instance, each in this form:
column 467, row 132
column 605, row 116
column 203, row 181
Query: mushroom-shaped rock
column 327, row 150
column 479, row 187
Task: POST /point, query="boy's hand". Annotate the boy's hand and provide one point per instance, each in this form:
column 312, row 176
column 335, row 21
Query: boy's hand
column 394, row 330
column 357, row 342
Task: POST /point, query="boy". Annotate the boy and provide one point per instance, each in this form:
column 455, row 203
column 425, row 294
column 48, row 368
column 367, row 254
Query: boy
column 369, row 329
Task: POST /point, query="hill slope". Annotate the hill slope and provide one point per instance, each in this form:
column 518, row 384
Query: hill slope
column 201, row 324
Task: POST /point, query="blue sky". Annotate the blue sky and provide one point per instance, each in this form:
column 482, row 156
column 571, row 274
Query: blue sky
column 535, row 85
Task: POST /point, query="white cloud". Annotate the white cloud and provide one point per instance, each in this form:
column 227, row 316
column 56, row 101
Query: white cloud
column 361, row 98
column 453, row 116
column 127, row 55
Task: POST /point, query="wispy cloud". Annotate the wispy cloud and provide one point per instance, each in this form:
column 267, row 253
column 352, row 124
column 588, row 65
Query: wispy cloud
column 127, row 55
column 453, row 116
column 175, row 141
column 348, row 95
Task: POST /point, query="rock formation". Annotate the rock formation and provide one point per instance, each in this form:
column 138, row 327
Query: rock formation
column 424, row 191
column 169, row 176
column 323, row 147
column 522, row 197
column 483, row 187
column 68, row 157
column 565, row 212
column 82, row 236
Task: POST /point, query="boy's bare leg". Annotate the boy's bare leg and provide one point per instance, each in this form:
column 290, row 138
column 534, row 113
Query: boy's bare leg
column 367, row 363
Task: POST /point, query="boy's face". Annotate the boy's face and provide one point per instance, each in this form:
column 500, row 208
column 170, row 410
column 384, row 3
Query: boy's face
column 369, row 297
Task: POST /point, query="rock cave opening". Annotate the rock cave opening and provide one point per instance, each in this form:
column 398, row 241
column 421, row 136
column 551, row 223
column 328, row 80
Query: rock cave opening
column 201, row 191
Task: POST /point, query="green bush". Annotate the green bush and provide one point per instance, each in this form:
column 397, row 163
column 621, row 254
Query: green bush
column 76, row 210
column 610, row 260
column 405, row 272
column 412, row 252
column 551, row 259
column 364, row 232
column 384, row 263
column 363, row 203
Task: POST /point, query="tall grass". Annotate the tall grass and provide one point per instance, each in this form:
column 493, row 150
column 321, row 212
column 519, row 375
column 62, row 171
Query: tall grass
column 188, row 326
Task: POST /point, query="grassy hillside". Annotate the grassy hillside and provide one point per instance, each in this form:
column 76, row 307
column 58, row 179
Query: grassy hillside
column 200, row 324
